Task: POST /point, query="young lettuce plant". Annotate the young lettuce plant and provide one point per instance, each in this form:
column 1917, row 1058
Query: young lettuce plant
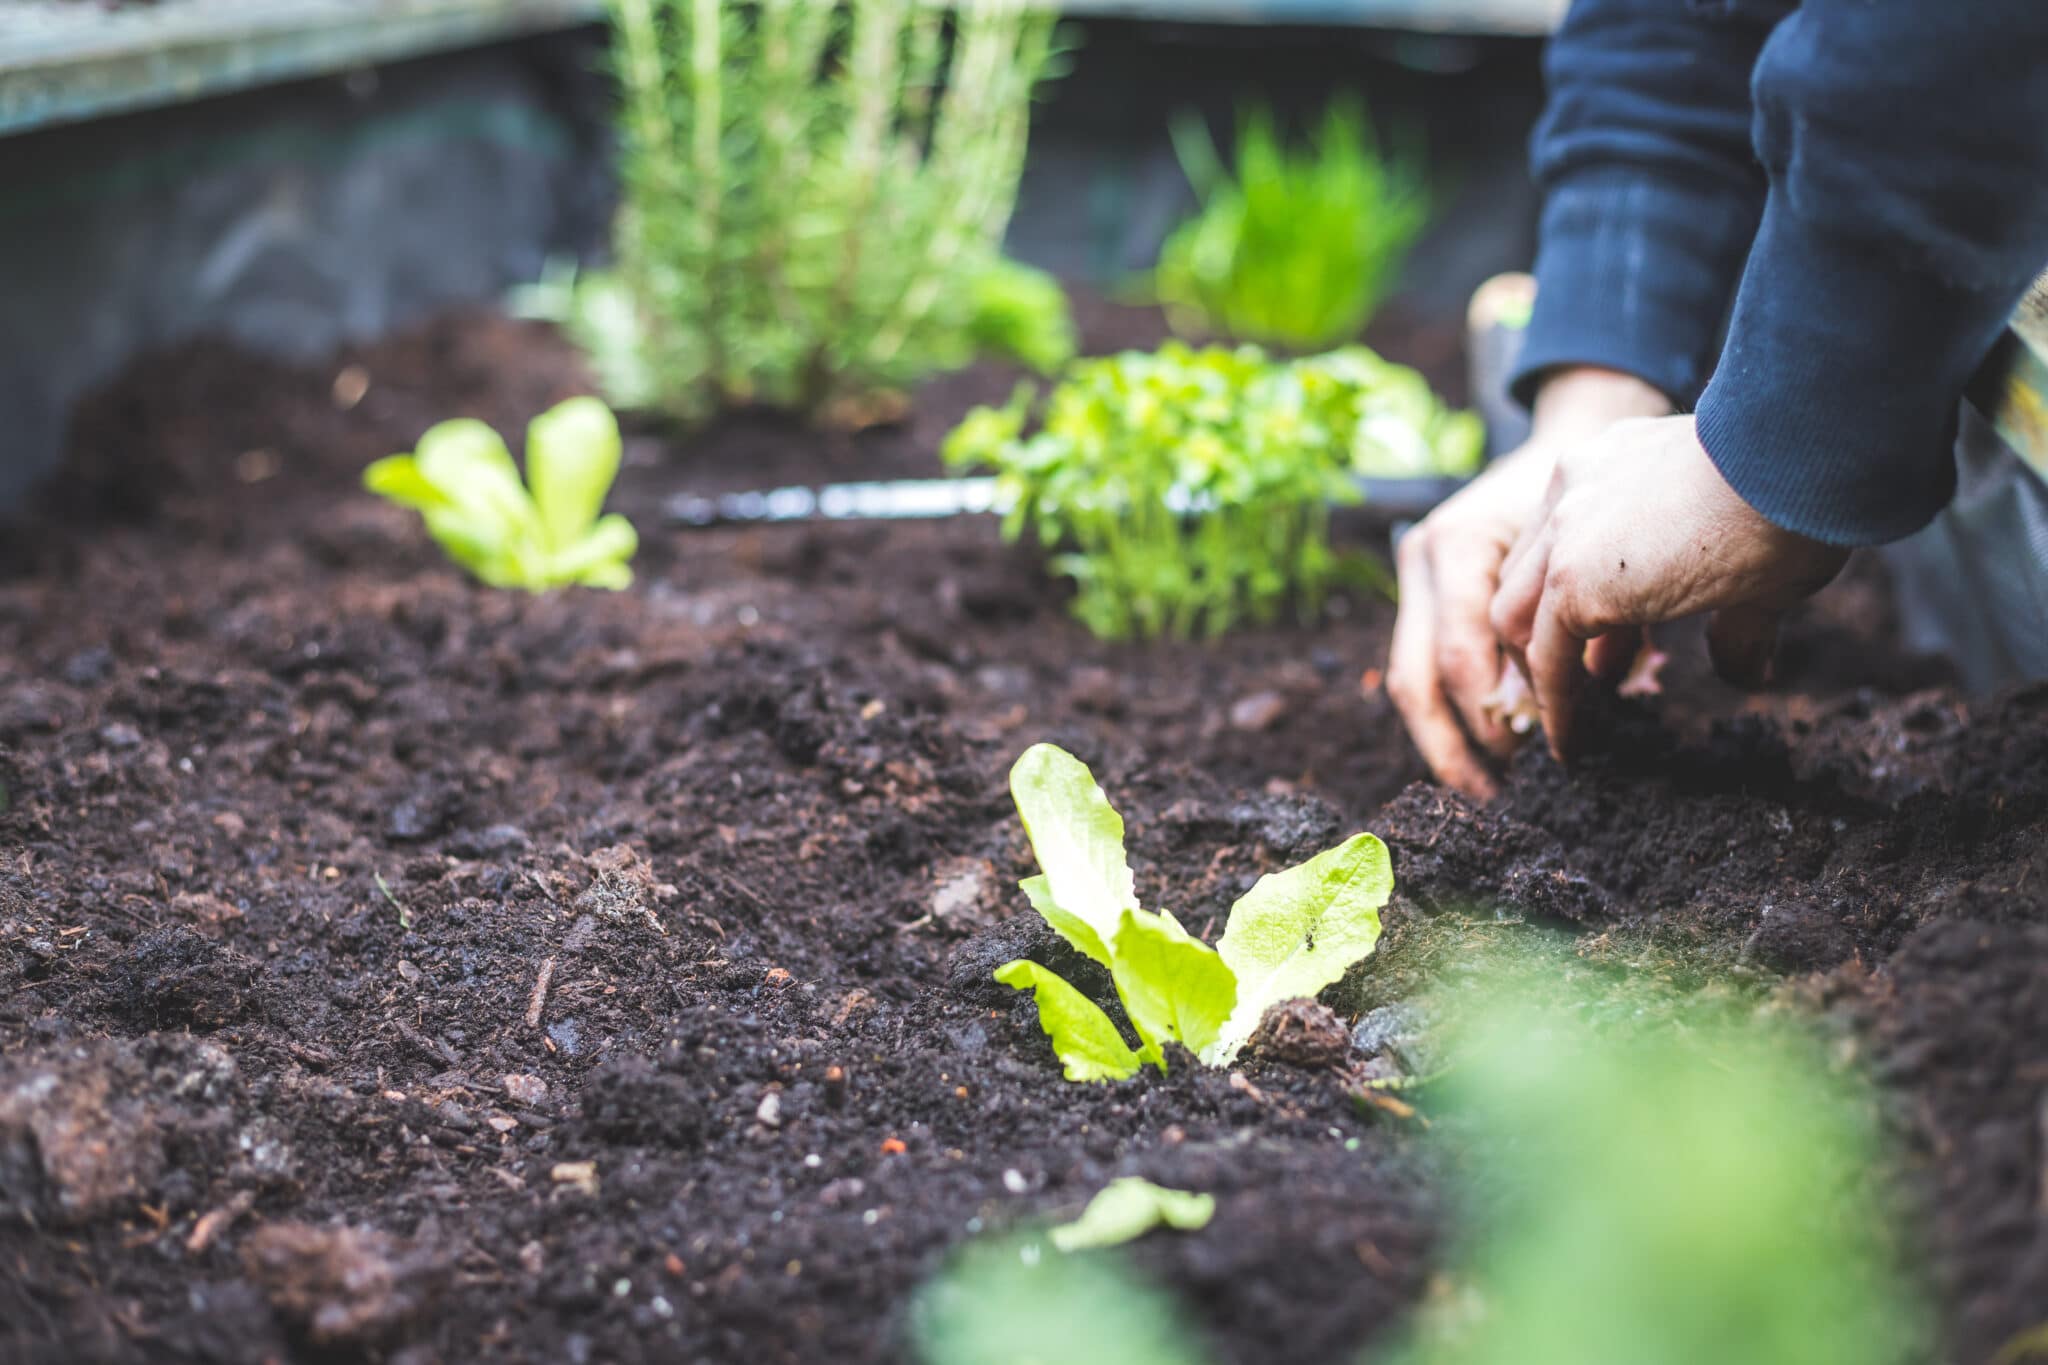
column 538, row 534
column 1291, row 935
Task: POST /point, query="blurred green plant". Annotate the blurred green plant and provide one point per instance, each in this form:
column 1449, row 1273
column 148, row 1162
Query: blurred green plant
column 462, row 480
column 815, row 193
column 1020, row 1301
column 1689, row 1187
column 1690, row 1193
column 1020, row 311
column 1192, row 488
column 597, row 313
column 1297, row 246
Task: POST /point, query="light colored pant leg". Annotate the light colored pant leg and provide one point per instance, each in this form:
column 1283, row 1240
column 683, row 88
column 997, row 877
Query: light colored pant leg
column 1973, row 584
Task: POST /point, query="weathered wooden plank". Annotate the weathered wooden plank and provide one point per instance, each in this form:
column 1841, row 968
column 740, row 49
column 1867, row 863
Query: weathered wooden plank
column 1524, row 17
column 62, row 62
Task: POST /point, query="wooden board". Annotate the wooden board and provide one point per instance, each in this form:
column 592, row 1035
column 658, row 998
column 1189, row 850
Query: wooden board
column 66, row 60
column 62, row 61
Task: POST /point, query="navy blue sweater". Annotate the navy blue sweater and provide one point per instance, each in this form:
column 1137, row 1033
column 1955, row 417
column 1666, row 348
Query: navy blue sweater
column 1858, row 188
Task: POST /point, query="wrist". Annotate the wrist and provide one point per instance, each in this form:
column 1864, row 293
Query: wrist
column 1581, row 400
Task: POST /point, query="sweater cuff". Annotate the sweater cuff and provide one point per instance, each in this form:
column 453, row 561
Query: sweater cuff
column 1634, row 273
column 1833, row 410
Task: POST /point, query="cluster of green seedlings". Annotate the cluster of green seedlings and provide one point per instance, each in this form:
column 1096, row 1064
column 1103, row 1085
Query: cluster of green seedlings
column 1184, row 491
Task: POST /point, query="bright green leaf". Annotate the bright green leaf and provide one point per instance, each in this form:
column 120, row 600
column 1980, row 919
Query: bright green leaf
column 1077, row 836
column 1016, row 1301
column 599, row 559
column 1128, row 1208
column 1075, row 930
column 398, row 478
column 469, row 464
column 1297, row 931
column 572, row 457
column 1087, row 1043
column 466, row 487
column 1174, row 986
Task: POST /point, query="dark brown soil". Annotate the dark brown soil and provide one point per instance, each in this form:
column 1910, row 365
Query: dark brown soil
column 394, row 968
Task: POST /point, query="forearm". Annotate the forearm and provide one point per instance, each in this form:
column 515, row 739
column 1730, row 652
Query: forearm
column 1576, row 401
column 1651, row 193
column 1907, row 150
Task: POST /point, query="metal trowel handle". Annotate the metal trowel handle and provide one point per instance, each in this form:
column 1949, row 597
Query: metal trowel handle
column 930, row 499
column 888, row 500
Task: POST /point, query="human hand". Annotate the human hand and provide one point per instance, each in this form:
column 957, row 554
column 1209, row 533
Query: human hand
column 1445, row 662
column 1639, row 527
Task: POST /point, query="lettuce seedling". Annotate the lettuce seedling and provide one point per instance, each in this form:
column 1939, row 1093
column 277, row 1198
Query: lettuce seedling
column 1292, row 934
column 463, row 482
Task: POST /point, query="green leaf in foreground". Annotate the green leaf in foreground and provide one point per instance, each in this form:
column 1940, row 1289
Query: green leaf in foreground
column 1291, row 935
column 1016, row 1301
column 1297, row 931
column 463, row 483
column 1679, row 1185
column 1174, row 987
column 1083, row 1038
column 1077, row 837
column 1717, row 1179
column 1128, row 1208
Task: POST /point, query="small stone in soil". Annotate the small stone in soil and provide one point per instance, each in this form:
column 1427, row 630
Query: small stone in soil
column 419, row 817
column 494, row 842
column 1397, row 1030
column 1259, row 711
column 120, row 736
column 89, row 666
column 530, row 1091
column 580, row 1176
column 963, row 892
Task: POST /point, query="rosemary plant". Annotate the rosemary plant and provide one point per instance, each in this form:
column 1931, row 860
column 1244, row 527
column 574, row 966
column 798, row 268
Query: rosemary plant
column 814, row 189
